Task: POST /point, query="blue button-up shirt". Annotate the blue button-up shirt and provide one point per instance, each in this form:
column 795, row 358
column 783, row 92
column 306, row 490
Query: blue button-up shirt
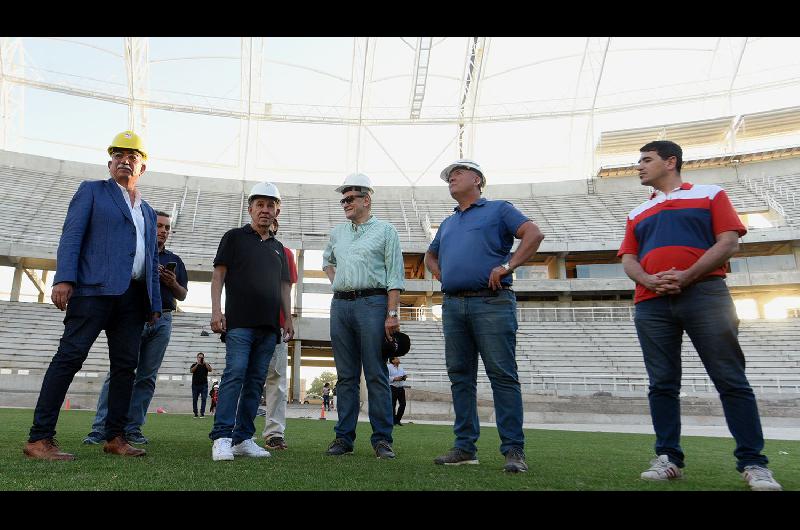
column 167, row 298
column 471, row 243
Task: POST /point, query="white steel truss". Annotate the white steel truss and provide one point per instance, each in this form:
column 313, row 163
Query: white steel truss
column 420, row 79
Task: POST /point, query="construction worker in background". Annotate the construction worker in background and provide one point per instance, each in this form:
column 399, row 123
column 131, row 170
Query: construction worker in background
column 106, row 279
column 252, row 266
column 364, row 264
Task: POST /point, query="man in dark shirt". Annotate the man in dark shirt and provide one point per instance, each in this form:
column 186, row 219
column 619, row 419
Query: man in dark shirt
column 252, row 266
column 173, row 281
column 200, row 371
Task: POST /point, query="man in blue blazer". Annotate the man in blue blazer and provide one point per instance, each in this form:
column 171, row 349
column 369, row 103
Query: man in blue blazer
column 106, row 279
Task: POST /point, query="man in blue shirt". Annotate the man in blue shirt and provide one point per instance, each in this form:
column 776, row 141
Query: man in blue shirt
column 470, row 256
column 155, row 338
column 106, row 279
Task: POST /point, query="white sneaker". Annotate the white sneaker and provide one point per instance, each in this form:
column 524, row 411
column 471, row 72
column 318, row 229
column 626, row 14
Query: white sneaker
column 662, row 469
column 221, row 450
column 249, row 448
column 760, row 478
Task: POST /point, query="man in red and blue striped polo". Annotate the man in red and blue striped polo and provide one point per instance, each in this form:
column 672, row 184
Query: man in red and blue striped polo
column 676, row 248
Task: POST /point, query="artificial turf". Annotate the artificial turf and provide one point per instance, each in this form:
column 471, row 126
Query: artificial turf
column 179, row 458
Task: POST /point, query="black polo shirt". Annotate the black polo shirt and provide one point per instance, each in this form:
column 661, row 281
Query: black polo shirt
column 255, row 270
column 167, row 298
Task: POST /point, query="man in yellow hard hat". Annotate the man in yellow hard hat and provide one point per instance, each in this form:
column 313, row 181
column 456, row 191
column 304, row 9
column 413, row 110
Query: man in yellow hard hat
column 106, row 279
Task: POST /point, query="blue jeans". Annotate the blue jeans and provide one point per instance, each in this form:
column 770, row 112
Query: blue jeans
column 122, row 316
column 247, row 355
column 485, row 325
column 199, row 391
column 155, row 339
column 706, row 312
column 357, row 331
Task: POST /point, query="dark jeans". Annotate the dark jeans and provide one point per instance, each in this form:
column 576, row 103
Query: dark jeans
column 398, row 396
column 122, row 316
column 706, row 312
column 326, row 402
column 485, row 326
column 248, row 352
column 356, row 336
column 202, row 392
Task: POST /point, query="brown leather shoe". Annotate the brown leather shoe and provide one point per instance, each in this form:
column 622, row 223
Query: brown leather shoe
column 46, row 449
column 120, row 446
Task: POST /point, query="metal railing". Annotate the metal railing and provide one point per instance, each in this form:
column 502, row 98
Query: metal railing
column 604, row 382
column 524, row 314
column 762, row 189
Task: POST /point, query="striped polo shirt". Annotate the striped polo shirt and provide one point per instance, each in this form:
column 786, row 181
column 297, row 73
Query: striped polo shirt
column 675, row 229
column 366, row 256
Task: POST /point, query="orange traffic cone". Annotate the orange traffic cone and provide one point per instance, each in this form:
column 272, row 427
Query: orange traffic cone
column 322, row 412
column 66, row 405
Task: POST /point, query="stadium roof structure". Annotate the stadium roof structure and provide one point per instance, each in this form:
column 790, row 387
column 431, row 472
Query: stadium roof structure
column 290, row 109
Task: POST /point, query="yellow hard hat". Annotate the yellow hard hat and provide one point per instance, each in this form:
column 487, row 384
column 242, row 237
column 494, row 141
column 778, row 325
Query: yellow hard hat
column 128, row 140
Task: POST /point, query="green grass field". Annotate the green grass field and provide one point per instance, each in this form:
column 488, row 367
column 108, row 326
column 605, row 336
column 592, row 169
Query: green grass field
column 179, row 458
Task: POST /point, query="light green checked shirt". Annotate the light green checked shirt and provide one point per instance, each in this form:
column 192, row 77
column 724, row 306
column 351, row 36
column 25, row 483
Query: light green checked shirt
column 366, row 256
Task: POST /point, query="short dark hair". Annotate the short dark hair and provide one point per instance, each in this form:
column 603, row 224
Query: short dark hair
column 161, row 213
column 665, row 149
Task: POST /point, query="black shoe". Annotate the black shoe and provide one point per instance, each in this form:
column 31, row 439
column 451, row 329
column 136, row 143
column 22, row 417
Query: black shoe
column 456, row 457
column 276, row 443
column 399, row 424
column 383, row 449
column 136, row 438
column 339, row 447
column 515, row 461
column 94, row 438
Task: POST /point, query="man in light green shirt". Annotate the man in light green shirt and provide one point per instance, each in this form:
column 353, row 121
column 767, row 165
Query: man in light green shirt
column 364, row 263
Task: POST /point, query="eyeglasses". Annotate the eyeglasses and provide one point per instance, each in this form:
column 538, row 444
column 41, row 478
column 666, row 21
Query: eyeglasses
column 351, row 198
column 133, row 155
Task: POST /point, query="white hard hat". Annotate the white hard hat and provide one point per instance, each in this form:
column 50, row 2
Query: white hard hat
column 463, row 162
column 264, row 189
column 356, row 180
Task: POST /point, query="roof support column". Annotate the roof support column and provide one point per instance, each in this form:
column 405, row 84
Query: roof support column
column 137, row 67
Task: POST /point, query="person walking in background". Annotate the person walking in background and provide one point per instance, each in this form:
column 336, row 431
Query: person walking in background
column 155, row 339
column 200, row 370
column 251, row 265
column 676, row 248
column 471, row 257
column 277, row 385
column 364, row 264
column 326, row 396
column 397, row 380
column 106, row 279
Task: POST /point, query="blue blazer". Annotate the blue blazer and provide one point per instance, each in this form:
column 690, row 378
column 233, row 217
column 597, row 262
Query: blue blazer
column 98, row 243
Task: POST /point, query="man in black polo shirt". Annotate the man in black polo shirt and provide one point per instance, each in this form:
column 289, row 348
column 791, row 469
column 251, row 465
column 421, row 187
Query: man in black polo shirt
column 252, row 265
column 173, row 281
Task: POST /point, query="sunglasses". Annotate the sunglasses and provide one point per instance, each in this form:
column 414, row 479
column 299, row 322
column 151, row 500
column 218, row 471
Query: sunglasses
column 348, row 200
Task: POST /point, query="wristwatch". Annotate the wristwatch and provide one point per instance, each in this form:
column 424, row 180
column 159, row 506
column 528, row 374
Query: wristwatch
column 506, row 266
column 392, row 313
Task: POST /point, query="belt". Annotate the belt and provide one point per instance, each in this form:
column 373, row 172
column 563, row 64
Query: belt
column 480, row 292
column 167, row 310
column 709, row 278
column 352, row 295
